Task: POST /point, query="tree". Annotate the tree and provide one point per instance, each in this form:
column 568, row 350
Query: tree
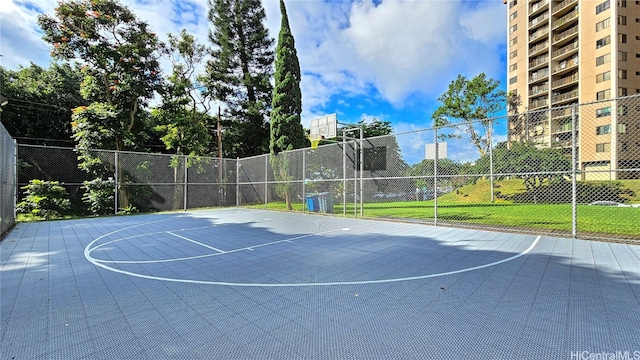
column 471, row 103
column 120, row 62
column 239, row 72
column 182, row 121
column 535, row 166
column 287, row 132
column 40, row 102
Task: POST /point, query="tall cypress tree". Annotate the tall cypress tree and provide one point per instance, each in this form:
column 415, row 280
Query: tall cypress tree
column 239, row 73
column 286, row 130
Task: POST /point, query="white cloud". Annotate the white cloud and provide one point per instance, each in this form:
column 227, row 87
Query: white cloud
column 394, row 51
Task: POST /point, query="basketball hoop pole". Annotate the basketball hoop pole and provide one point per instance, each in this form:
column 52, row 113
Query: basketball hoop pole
column 361, row 156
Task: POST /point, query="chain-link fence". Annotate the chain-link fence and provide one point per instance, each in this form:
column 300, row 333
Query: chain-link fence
column 572, row 170
column 7, row 180
column 127, row 180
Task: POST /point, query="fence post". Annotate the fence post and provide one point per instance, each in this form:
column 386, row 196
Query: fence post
column 574, row 175
column 184, row 206
column 16, row 187
column 361, row 171
column 115, row 197
column 344, row 174
column 435, row 176
column 491, row 159
column 237, row 181
column 304, row 176
column 266, row 180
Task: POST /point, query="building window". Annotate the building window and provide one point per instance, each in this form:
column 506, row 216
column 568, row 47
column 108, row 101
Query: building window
column 603, row 95
column 513, row 54
column 602, row 113
column 603, row 42
column 603, row 77
column 622, row 110
column 513, row 41
column 604, row 129
column 600, row 60
column 623, row 146
column 600, row 148
column 622, row 128
column 622, row 91
column 622, row 3
column 622, row 56
column 513, row 80
column 622, row 74
column 513, row 67
column 513, row 16
column 622, row 20
column 513, row 3
column 622, row 38
column 513, row 29
column 602, row 7
column 602, row 24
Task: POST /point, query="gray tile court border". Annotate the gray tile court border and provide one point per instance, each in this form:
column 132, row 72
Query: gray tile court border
column 522, row 296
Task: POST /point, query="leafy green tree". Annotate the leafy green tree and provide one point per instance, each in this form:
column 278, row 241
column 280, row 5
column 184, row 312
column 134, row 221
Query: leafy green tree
column 470, row 103
column 120, row 62
column 287, row 132
column 182, row 121
column 40, row 102
column 239, row 73
column 535, row 166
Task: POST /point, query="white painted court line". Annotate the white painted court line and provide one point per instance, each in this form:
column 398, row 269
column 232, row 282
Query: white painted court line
column 195, row 242
column 101, row 264
column 220, row 252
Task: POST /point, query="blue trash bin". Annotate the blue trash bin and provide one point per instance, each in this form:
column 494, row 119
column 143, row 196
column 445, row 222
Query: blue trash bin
column 312, row 202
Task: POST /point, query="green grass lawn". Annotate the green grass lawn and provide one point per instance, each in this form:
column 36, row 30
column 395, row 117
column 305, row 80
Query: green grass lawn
column 549, row 217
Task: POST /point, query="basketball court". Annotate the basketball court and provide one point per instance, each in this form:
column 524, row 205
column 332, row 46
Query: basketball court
column 240, row 283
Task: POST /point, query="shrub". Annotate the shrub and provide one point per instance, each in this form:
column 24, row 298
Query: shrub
column 46, row 199
column 99, row 196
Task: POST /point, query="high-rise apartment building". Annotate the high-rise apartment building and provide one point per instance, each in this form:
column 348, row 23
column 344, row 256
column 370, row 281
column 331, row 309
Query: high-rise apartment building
column 574, row 52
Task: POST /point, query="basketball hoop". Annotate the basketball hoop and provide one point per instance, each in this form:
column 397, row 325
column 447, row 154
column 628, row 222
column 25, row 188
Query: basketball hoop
column 315, row 140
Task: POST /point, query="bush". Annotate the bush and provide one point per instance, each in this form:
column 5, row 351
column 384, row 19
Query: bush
column 45, row 199
column 99, row 196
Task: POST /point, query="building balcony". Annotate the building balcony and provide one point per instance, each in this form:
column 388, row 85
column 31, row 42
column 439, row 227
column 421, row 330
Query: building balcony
column 539, row 89
column 565, row 81
column 566, row 20
column 539, row 49
column 539, row 76
column 563, row 7
column 565, row 97
column 539, row 21
column 566, row 66
column 538, row 103
column 538, row 7
column 565, row 36
column 539, row 34
column 566, row 50
column 538, row 62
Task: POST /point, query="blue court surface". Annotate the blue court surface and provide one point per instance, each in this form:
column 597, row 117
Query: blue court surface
column 256, row 284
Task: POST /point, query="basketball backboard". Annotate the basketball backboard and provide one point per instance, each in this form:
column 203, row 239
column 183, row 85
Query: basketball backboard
column 327, row 126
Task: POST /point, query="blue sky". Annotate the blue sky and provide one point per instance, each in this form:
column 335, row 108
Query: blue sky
column 386, row 59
